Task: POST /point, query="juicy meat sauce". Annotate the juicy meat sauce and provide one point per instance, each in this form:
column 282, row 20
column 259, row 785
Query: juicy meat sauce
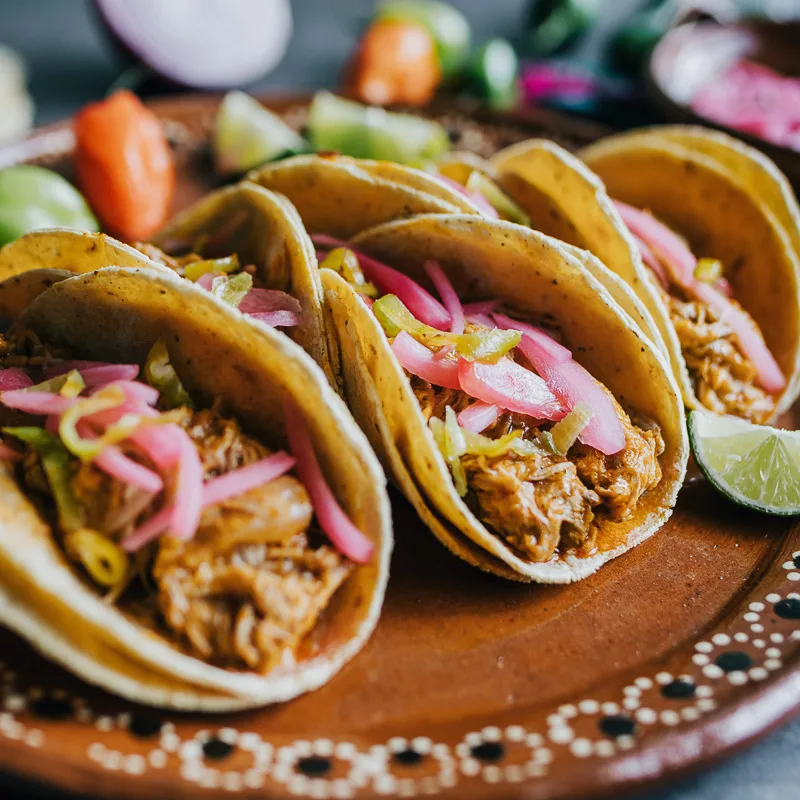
column 252, row 582
column 723, row 378
column 546, row 504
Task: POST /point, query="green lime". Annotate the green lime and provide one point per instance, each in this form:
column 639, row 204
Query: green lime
column 493, row 73
column 343, row 126
column 247, row 135
column 448, row 27
column 753, row 465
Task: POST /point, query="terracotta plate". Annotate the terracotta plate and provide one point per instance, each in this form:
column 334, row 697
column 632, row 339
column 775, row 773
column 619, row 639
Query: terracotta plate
column 669, row 657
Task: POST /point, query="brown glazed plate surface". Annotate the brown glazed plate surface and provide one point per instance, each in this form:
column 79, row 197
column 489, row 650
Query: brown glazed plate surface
column 669, row 657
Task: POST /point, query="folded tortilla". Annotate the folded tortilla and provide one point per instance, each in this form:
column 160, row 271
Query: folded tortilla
column 221, row 356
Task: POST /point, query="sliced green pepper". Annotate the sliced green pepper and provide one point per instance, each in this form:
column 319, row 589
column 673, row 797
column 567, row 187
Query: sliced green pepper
column 160, row 374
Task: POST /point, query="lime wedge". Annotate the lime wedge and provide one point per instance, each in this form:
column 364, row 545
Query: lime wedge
column 753, row 465
column 343, row 126
column 247, row 135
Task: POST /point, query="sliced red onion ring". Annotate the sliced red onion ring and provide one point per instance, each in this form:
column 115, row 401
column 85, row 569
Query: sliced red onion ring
column 448, row 295
column 63, row 367
column 533, row 337
column 750, row 339
column 344, row 535
column 481, row 319
column 206, row 280
column 38, row 403
column 650, row 260
column 277, row 319
column 135, row 391
column 419, row 302
column 476, row 197
column 481, row 307
column 478, row 416
column 242, row 480
column 116, row 464
column 420, row 361
column 105, row 418
column 14, row 378
column 510, row 386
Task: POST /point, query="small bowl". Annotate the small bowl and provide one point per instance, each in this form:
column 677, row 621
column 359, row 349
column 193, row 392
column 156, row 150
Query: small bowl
column 695, row 53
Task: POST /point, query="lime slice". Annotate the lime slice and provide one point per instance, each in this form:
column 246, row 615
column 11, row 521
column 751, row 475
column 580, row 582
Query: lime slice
column 343, row 126
column 247, row 135
column 753, row 465
column 497, row 198
column 448, row 27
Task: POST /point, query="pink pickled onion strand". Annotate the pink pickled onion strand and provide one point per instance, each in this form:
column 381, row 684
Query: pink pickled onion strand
column 651, row 261
column 276, row 319
column 148, row 530
column 94, row 376
column 163, row 451
column 259, row 301
column 188, row 486
column 677, row 256
column 572, row 384
column 38, row 403
column 476, row 197
column 135, row 391
column 478, row 416
column 239, row 481
column 216, row 490
column 481, row 319
column 420, row 361
column 661, row 240
column 206, row 280
column 448, row 295
column 722, row 285
column 14, row 378
column 344, row 535
column 481, row 307
column 530, row 333
column 367, row 300
column 116, row 464
column 510, row 386
column 419, row 302
column 9, row 453
column 112, row 415
column 67, row 366
column 750, row 339
column 443, row 352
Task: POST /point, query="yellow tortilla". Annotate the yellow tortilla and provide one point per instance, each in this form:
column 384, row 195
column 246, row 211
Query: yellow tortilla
column 534, row 275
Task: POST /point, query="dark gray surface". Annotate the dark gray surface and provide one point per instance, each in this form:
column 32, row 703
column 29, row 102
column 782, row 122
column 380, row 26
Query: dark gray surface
column 71, row 63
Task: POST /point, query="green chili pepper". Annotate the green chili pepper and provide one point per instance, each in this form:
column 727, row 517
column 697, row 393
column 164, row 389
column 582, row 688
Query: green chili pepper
column 33, row 197
column 493, row 74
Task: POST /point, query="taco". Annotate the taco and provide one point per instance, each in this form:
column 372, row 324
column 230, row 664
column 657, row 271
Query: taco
column 342, row 196
column 721, row 264
column 190, row 516
column 243, row 243
column 534, row 427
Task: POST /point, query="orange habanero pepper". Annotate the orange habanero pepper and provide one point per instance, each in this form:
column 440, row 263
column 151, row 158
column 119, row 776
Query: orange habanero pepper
column 396, row 62
column 124, row 165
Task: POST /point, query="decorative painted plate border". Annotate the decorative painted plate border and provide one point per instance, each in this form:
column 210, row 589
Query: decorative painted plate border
column 736, row 680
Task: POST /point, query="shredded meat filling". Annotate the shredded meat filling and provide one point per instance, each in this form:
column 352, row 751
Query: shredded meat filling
column 545, row 504
column 723, row 379
column 254, row 580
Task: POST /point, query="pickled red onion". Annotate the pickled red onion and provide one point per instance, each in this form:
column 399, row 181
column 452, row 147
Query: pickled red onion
column 481, row 307
column 422, row 362
column 14, row 378
column 148, row 530
column 188, row 486
column 481, row 319
column 650, row 260
column 258, row 301
column 206, row 280
column 419, row 302
column 39, row 403
column 105, row 418
column 163, row 451
column 116, row 464
column 135, row 391
column 533, row 337
column 63, row 367
column 478, row 416
column 510, row 386
column 661, row 240
column 480, row 201
column 239, row 481
column 448, row 295
column 749, row 336
column 344, row 535
column 679, row 258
